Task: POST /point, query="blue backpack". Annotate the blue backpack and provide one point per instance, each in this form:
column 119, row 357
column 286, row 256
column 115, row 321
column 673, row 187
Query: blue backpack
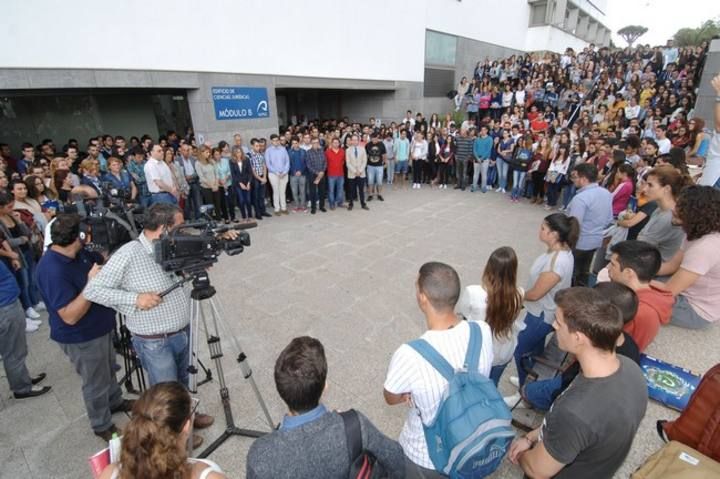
column 471, row 432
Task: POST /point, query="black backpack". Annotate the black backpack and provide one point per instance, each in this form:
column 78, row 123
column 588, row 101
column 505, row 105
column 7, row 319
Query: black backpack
column 363, row 465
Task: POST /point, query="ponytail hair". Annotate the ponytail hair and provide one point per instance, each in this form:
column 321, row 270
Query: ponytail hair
column 504, row 301
column 667, row 175
column 150, row 440
column 566, row 227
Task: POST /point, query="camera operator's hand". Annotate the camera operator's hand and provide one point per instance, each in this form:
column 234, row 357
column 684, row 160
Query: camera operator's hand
column 147, row 301
column 94, row 271
column 230, row 235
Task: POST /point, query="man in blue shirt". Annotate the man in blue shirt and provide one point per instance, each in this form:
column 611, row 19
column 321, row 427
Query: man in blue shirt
column 482, row 148
column 81, row 328
column 592, row 206
column 13, row 345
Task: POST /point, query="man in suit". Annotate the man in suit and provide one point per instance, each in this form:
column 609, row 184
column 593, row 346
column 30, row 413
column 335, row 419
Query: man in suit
column 187, row 163
column 356, row 160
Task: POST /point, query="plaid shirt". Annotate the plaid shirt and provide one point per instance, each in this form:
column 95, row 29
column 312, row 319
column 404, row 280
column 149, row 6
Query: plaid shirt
column 257, row 161
column 316, row 161
column 132, row 270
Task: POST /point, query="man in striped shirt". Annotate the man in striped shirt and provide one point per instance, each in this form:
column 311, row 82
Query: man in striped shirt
column 463, row 158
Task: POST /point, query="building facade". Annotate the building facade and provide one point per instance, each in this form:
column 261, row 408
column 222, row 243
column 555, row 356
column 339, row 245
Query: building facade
column 220, row 66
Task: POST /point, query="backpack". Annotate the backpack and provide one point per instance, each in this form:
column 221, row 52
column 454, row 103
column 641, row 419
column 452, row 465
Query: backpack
column 699, row 424
column 471, row 431
column 363, row 465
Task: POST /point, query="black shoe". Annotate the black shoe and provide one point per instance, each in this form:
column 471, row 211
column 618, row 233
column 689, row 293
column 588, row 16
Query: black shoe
column 369, row 198
column 259, row 218
column 365, row 207
column 462, row 189
column 34, row 392
column 350, row 207
column 267, row 215
column 125, row 406
column 107, row 434
column 312, row 211
column 381, row 198
column 322, row 208
column 37, row 378
column 457, row 188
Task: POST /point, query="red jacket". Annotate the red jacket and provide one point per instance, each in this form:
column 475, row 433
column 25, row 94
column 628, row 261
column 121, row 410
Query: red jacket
column 654, row 309
column 335, row 162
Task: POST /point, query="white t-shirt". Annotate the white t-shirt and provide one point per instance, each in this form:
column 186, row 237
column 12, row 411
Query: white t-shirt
column 563, row 267
column 157, row 170
column 411, row 373
column 664, row 146
column 473, row 306
column 711, row 172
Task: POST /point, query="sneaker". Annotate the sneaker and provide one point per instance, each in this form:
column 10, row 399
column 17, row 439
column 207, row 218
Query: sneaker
column 30, row 327
column 381, row 198
column 369, row 198
column 31, row 313
column 513, row 400
column 284, row 212
column 40, row 306
column 484, row 190
column 498, row 190
column 472, row 189
column 515, row 381
column 107, row 434
column 547, row 207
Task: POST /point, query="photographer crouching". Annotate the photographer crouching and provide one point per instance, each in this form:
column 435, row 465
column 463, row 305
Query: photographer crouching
column 81, row 328
column 130, row 283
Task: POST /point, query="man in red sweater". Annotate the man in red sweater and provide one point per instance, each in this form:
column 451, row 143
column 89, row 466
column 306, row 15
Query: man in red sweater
column 335, row 157
column 634, row 264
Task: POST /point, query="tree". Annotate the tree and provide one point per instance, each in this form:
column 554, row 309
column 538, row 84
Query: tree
column 632, row 33
column 686, row 37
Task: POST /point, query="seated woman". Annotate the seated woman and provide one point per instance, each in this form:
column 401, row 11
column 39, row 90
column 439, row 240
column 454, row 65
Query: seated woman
column 154, row 442
column 695, row 268
column 497, row 301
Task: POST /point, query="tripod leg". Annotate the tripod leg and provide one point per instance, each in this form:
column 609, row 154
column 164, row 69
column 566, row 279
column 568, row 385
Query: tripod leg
column 195, row 311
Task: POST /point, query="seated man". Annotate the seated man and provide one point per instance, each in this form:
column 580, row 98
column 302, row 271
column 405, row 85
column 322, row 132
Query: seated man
column 541, row 394
column 590, row 427
column 310, row 442
column 635, row 264
column 412, row 380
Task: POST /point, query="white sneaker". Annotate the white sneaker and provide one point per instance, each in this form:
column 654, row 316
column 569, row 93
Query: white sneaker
column 30, row 327
column 498, row 190
column 36, row 322
column 513, row 400
column 31, row 313
column 515, row 381
column 40, row 306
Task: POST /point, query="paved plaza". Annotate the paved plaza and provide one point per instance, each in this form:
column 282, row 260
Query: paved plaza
column 346, row 278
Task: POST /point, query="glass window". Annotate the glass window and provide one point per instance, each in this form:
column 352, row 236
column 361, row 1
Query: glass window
column 440, row 48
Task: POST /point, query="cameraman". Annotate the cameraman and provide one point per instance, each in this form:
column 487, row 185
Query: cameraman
column 130, row 283
column 82, row 329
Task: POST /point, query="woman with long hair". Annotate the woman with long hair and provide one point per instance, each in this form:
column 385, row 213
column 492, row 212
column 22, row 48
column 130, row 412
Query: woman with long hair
column 241, row 172
column 62, row 185
column 541, row 161
column 207, row 176
column 497, row 301
column 663, row 186
column 154, row 442
column 549, row 273
column 695, row 268
column 446, row 155
column 699, row 142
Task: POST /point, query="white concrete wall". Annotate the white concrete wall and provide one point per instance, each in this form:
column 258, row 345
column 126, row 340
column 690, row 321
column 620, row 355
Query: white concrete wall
column 343, row 37
column 501, row 23
column 547, row 38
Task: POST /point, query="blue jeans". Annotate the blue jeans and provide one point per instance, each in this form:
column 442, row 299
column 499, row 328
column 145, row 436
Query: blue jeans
column 502, row 168
column 531, row 342
column 568, row 194
column 496, row 373
column 543, row 392
column 165, row 359
column 491, row 176
column 25, row 276
column 518, row 180
column 336, row 190
column 552, row 193
column 162, row 197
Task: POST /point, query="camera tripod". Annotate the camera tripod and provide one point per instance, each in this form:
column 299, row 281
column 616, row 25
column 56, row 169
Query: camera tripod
column 203, row 292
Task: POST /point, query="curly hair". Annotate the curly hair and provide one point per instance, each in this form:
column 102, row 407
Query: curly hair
column 150, row 440
column 698, row 208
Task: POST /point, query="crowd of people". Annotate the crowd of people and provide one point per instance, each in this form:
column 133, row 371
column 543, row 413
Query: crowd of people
column 606, row 138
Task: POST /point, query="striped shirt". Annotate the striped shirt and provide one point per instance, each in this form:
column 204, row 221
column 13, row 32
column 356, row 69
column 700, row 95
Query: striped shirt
column 132, row 270
column 463, row 148
column 410, row 373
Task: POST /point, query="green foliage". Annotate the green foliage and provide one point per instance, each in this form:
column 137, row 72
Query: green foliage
column 686, row 37
column 631, row 33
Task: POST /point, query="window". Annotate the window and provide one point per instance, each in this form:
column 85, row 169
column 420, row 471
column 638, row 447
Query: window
column 440, row 49
column 537, row 14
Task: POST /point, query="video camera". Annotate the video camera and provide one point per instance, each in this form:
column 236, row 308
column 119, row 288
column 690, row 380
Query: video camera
column 110, row 220
column 181, row 252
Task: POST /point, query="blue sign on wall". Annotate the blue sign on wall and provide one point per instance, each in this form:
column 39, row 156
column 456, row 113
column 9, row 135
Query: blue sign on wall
column 240, row 103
